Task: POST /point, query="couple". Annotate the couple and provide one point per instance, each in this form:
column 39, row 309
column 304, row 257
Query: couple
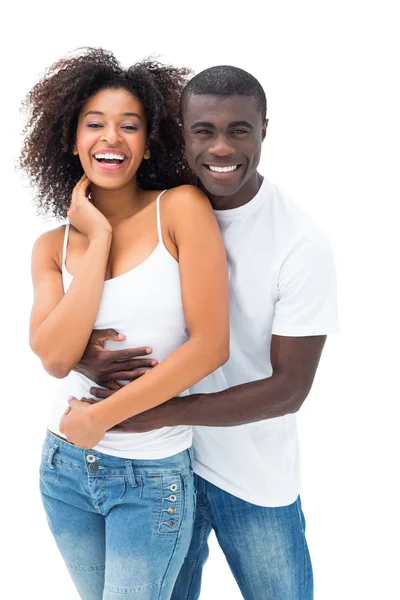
column 144, row 260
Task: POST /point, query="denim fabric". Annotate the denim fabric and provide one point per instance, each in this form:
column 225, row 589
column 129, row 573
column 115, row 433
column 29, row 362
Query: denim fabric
column 266, row 548
column 122, row 526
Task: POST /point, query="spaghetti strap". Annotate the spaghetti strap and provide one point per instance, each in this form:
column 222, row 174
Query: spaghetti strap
column 64, row 255
column 160, row 239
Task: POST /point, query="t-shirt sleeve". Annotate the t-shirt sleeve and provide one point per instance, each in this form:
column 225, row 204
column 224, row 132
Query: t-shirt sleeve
column 307, row 298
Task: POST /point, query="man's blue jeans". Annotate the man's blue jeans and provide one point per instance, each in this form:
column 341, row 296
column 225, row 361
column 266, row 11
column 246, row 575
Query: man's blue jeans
column 266, row 548
column 122, row 526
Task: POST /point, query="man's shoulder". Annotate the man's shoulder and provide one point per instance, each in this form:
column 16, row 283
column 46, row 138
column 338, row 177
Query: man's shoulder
column 288, row 219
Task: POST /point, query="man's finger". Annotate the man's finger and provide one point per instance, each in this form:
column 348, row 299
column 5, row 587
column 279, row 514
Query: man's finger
column 102, row 335
column 130, row 365
column 100, row 393
column 129, row 353
column 89, row 400
column 112, row 385
column 129, row 375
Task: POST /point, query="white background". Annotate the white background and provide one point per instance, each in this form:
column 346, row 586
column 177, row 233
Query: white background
column 330, row 71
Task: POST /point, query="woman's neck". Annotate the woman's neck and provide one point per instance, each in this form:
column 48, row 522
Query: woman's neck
column 117, row 205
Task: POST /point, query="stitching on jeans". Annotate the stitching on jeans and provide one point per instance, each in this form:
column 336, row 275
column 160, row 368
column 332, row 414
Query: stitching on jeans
column 184, row 493
column 196, row 566
column 304, row 546
column 140, row 487
column 126, row 590
column 86, row 568
column 123, row 489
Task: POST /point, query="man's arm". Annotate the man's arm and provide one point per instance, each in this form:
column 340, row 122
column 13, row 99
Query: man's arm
column 294, row 362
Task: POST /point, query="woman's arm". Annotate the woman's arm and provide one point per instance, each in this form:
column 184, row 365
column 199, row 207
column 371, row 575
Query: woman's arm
column 60, row 325
column 205, row 295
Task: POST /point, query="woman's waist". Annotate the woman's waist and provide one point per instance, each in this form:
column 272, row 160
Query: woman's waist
column 150, row 445
column 77, row 455
column 157, row 443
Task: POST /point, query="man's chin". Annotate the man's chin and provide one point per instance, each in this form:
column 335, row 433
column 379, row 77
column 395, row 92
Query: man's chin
column 213, row 187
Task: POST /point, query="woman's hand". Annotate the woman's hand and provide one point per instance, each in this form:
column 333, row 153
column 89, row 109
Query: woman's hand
column 83, row 215
column 79, row 425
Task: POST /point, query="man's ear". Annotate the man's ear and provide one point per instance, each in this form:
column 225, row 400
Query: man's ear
column 264, row 130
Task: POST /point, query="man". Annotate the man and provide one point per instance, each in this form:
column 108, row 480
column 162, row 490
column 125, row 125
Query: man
column 283, row 304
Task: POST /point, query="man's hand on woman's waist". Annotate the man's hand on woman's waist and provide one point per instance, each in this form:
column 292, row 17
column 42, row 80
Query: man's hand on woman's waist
column 105, row 367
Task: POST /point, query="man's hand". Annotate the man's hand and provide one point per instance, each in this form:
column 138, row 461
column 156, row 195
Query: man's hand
column 106, row 366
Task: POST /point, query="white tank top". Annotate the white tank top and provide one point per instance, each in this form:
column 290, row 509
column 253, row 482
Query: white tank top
column 145, row 305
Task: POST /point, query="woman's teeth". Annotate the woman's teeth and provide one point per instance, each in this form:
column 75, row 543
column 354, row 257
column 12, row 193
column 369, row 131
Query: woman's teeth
column 118, row 158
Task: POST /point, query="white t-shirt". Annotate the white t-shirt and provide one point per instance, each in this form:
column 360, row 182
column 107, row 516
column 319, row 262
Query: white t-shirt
column 282, row 282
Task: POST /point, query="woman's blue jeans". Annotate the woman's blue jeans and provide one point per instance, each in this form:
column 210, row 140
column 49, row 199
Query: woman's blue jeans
column 122, row 526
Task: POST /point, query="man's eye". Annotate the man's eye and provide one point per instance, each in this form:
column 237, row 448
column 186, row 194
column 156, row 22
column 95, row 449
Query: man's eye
column 239, row 131
column 203, row 131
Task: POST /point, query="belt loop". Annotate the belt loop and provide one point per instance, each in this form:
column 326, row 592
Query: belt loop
column 130, row 474
column 191, row 456
column 51, row 454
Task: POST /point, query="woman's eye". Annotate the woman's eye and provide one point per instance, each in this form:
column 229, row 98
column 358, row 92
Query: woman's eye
column 94, row 125
column 130, row 127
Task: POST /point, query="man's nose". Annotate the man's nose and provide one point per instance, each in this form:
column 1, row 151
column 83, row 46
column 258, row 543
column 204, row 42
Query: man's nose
column 221, row 147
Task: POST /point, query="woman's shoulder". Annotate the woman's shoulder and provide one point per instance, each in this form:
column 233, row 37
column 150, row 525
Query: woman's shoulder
column 187, row 197
column 50, row 243
column 52, row 236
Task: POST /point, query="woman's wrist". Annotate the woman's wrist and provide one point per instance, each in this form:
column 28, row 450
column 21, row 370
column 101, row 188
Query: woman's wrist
column 102, row 236
column 102, row 415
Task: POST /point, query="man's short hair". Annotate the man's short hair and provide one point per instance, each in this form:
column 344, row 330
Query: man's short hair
column 223, row 81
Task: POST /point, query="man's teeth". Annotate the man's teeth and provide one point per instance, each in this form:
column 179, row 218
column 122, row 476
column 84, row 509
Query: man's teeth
column 109, row 156
column 222, row 169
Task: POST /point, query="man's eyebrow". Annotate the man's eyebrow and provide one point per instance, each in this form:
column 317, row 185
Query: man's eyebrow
column 127, row 114
column 202, row 124
column 241, row 124
column 209, row 125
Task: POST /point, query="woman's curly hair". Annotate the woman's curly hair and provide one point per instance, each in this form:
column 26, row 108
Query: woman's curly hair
column 53, row 106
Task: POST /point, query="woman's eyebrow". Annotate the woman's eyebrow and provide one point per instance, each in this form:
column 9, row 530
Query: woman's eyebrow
column 126, row 114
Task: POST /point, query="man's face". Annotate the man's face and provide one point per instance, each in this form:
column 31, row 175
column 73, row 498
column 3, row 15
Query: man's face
column 223, row 138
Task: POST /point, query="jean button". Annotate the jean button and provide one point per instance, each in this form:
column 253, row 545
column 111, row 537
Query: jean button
column 171, row 510
column 91, row 458
column 173, row 487
column 172, row 498
column 172, row 523
column 93, row 467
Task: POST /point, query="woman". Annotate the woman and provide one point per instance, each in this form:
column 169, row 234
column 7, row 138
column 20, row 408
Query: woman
column 140, row 258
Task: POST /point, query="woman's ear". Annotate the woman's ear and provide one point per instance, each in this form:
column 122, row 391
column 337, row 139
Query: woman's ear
column 147, row 153
column 75, row 150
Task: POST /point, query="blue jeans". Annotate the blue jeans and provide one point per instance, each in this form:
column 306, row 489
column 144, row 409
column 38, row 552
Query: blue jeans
column 122, row 526
column 265, row 547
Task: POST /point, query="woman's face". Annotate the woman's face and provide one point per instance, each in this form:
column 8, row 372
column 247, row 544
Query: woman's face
column 111, row 138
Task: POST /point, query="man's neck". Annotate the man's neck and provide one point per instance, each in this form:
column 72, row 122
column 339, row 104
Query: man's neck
column 242, row 196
